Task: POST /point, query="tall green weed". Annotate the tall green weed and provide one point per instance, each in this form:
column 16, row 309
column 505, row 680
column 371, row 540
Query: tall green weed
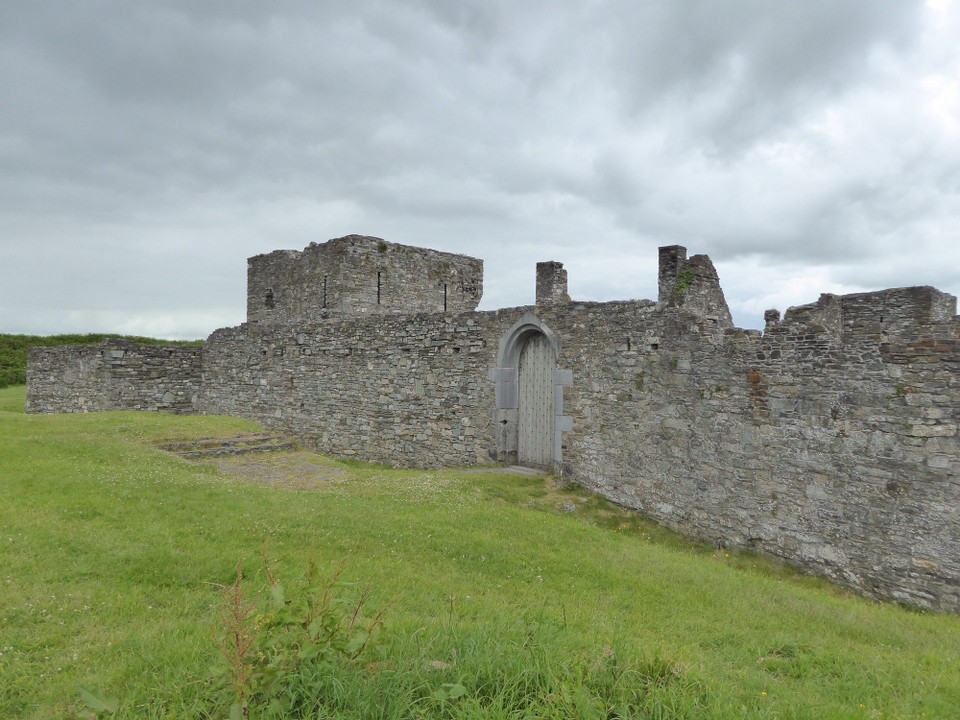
column 275, row 648
column 313, row 653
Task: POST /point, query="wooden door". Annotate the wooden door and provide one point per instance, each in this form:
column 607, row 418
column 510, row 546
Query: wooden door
column 536, row 410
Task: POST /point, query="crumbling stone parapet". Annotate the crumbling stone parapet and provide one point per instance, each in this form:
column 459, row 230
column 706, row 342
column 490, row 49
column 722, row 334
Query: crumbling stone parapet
column 551, row 283
column 692, row 285
column 771, row 318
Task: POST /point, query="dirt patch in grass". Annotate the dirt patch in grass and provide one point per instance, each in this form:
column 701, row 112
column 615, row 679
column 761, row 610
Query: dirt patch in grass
column 289, row 470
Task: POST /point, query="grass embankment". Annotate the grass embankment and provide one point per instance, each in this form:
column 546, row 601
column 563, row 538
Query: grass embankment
column 13, row 350
column 497, row 603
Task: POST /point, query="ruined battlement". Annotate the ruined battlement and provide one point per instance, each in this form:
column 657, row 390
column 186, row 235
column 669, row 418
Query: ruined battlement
column 893, row 312
column 359, row 275
column 691, row 285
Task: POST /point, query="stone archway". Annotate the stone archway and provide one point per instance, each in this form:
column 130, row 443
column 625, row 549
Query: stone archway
column 529, row 396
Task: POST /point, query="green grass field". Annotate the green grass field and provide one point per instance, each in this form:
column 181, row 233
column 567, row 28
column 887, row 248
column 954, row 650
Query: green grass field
column 496, row 603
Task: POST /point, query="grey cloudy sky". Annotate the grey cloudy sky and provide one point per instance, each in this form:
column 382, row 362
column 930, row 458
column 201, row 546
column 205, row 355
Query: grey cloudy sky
column 147, row 149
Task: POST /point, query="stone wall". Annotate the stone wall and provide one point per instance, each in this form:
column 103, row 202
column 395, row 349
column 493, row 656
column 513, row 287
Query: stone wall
column 829, row 440
column 358, row 275
column 836, row 451
column 114, row 375
column 65, row 379
column 691, row 284
column 405, row 391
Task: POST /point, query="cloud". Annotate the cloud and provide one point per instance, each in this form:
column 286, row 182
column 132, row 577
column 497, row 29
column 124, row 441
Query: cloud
column 147, row 149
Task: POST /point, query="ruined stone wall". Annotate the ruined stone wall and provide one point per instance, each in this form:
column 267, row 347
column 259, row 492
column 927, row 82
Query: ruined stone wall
column 67, row 379
column 406, row 391
column 830, row 440
column 114, row 375
column 692, row 285
column 358, row 275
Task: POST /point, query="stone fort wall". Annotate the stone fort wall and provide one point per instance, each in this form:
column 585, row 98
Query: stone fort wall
column 830, row 444
column 829, row 439
column 406, row 391
column 113, row 375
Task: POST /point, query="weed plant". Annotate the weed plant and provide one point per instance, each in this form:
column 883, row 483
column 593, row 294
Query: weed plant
column 493, row 601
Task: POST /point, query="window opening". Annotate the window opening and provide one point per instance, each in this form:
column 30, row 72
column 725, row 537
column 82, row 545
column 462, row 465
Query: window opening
column 268, row 300
column 324, row 290
column 378, row 288
column 444, row 297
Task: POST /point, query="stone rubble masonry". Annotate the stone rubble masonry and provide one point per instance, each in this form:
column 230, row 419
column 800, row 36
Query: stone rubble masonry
column 551, row 283
column 114, row 375
column 828, row 440
column 692, row 285
column 406, row 391
column 358, row 275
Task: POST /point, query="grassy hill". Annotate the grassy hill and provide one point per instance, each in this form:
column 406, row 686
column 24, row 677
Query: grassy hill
column 492, row 596
column 13, row 350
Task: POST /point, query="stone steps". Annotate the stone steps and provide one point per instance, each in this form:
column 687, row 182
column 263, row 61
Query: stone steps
column 236, row 445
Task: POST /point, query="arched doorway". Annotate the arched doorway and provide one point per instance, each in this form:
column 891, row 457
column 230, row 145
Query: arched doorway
column 535, row 411
column 529, row 396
